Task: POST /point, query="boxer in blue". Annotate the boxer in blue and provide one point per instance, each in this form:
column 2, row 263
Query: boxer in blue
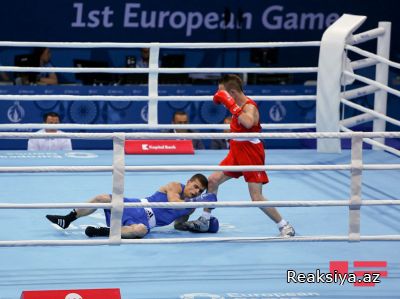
column 137, row 222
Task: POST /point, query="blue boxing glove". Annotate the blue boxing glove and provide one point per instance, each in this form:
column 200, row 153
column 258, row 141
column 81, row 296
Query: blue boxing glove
column 203, row 225
column 214, row 225
column 206, row 197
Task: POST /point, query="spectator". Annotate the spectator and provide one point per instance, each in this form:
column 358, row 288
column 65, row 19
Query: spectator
column 43, row 56
column 222, row 143
column 143, row 62
column 181, row 118
column 4, row 76
column 50, row 144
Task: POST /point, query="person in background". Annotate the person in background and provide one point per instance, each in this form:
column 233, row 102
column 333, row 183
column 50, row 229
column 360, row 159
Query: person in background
column 222, row 143
column 143, row 61
column 43, row 56
column 4, row 76
column 181, row 118
column 50, row 144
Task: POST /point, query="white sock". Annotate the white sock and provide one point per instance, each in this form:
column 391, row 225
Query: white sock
column 206, row 215
column 282, row 223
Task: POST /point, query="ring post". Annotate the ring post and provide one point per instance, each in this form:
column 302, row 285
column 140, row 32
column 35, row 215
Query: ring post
column 330, row 67
column 355, row 188
column 117, row 201
column 381, row 76
column 153, row 83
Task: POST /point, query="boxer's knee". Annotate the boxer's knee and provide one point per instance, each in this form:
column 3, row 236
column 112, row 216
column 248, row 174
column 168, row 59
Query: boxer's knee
column 214, row 181
column 102, row 198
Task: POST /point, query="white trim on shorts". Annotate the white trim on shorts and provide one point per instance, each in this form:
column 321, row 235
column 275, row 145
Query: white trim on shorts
column 252, row 140
column 151, row 218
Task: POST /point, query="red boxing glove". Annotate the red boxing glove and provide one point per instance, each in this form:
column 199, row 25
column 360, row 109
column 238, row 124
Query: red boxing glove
column 223, row 97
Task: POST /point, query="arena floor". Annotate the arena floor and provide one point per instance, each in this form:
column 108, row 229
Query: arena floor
column 210, row 270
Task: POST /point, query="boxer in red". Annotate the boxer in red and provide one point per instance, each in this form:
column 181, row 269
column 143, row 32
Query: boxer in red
column 242, row 151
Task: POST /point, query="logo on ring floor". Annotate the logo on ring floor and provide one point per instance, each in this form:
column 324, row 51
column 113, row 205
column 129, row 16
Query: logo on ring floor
column 80, row 155
column 200, row 296
column 73, row 296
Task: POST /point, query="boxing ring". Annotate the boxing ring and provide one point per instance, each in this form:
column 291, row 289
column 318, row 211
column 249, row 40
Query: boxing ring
column 343, row 205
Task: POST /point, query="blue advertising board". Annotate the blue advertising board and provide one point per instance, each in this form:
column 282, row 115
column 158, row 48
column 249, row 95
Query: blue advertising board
column 103, row 112
column 200, row 112
column 181, row 21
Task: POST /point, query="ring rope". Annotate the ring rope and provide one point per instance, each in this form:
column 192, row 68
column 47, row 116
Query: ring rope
column 196, row 240
column 372, row 112
column 370, row 141
column 366, row 36
column 357, row 120
column 151, row 135
column 173, row 168
column 372, row 55
column 68, row 97
column 372, row 82
column 159, row 70
column 359, row 92
column 160, row 45
column 149, row 127
column 225, row 204
column 363, row 63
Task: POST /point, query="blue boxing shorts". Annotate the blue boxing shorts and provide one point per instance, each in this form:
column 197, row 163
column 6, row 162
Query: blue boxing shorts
column 130, row 215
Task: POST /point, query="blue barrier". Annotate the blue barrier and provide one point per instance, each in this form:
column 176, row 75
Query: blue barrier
column 103, row 112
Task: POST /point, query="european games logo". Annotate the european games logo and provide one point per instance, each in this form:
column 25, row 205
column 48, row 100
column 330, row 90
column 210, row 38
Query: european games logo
column 277, row 112
column 15, row 113
column 144, row 113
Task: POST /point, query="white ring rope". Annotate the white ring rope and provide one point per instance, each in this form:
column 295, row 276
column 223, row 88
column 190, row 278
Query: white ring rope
column 159, row 70
column 357, row 120
column 300, row 135
column 195, row 240
column 359, row 92
column 373, row 56
column 149, row 127
column 160, row 45
column 67, row 97
column 363, row 63
column 374, row 143
column 226, row 204
column 373, row 82
column 366, row 36
column 173, row 168
column 372, row 112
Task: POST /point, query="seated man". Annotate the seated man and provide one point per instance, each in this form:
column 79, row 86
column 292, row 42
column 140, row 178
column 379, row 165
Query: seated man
column 137, row 222
column 43, row 56
column 182, row 118
column 50, row 144
column 222, row 143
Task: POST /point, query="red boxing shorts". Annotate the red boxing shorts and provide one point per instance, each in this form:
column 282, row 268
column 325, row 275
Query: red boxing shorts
column 246, row 153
